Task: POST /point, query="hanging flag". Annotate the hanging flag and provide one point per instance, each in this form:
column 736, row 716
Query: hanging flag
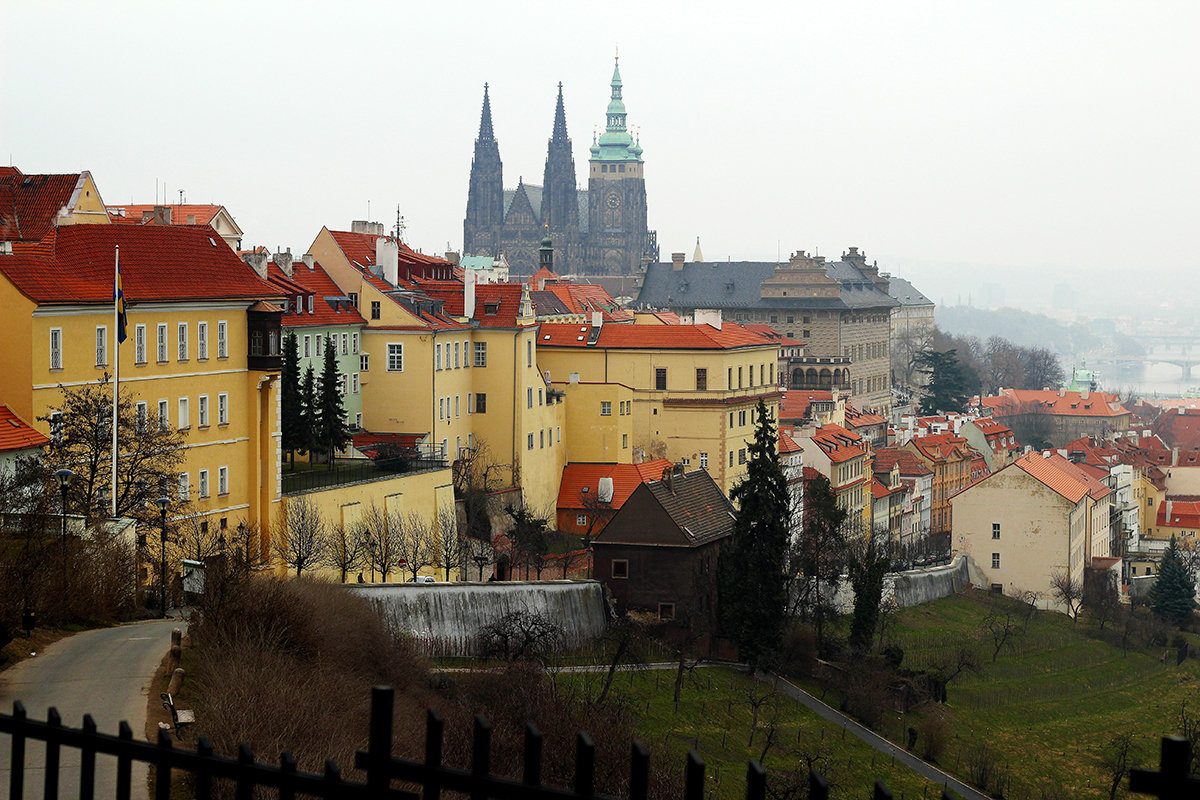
column 119, row 303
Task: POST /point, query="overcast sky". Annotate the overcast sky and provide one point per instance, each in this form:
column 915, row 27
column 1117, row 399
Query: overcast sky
column 955, row 142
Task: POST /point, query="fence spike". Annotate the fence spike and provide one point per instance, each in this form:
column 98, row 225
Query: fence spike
column 639, row 772
column 532, row 775
column 124, row 760
column 585, row 765
column 756, row 781
column 87, row 761
column 245, row 788
column 481, row 756
column 818, row 787
column 54, row 720
column 379, row 739
column 434, row 736
column 287, row 773
column 162, row 767
column 882, row 792
column 694, row 781
column 204, row 749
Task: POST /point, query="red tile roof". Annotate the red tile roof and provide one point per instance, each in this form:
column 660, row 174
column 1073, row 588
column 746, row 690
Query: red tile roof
column 29, row 204
column 1061, row 476
column 862, row 419
column 497, row 305
column 586, row 298
column 795, row 403
column 359, row 248
column 1179, row 427
column 535, row 282
column 16, row 434
column 943, row 446
column 770, row 333
column 651, row 337
column 75, row 265
column 879, row 491
column 185, row 214
column 1061, row 403
column 911, row 465
column 1178, row 512
column 786, row 443
column 838, row 443
column 369, row 443
column 316, row 282
column 625, row 478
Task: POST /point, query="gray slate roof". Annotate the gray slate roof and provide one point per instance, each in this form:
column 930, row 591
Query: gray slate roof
column 534, row 193
column 547, row 303
column 906, row 293
column 737, row 284
column 697, row 505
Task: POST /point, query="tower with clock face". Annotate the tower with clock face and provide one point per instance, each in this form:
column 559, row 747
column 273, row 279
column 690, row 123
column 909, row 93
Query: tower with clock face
column 617, row 237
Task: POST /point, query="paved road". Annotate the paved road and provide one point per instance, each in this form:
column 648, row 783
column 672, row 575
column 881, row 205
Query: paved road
column 927, row 771
column 105, row 673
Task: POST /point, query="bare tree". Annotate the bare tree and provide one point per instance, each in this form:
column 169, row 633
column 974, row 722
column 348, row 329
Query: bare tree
column 1001, row 628
column 1029, row 599
column 450, row 550
column 414, row 546
column 346, row 550
column 598, row 514
column 1067, row 591
column 479, row 553
column 196, row 539
column 379, row 533
column 301, row 539
column 1116, row 758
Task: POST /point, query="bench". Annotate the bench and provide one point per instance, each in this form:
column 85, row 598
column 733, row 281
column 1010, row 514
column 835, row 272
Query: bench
column 180, row 717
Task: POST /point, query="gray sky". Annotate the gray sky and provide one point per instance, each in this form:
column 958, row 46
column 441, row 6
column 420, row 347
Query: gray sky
column 957, row 143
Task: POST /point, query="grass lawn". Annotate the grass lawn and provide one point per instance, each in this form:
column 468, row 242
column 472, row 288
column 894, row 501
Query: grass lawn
column 1052, row 701
column 715, row 718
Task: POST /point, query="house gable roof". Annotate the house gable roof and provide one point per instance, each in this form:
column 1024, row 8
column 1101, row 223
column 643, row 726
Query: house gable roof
column 691, row 504
column 17, row 434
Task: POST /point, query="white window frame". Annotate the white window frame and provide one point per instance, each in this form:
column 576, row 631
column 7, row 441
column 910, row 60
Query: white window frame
column 184, row 420
column 183, row 341
column 307, row 346
column 202, row 484
column 185, row 486
column 456, row 414
column 164, row 415
column 223, row 408
column 606, row 408
column 139, row 416
column 202, row 341
column 318, row 346
column 139, row 343
column 101, row 345
column 395, row 357
column 222, row 480
column 354, row 383
column 56, row 350
column 364, row 362
column 456, row 358
column 470, row 405
column 481, row 354
column 466, row 354
column 354, row 343
column 202, row 411
column 437, row 357
column 222, row 339
column 160, row 350
column 345, row 344
column 581, row 520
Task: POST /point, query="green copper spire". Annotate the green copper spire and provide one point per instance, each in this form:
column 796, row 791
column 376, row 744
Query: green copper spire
column 615, row 144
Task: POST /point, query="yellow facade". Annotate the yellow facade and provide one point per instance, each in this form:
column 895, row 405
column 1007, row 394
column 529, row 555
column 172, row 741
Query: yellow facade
column 707, row 427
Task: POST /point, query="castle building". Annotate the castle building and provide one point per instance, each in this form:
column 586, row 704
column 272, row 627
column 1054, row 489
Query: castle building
column 598, row 231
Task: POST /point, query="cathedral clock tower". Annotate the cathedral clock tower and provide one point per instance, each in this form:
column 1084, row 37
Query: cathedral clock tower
column 617, row 231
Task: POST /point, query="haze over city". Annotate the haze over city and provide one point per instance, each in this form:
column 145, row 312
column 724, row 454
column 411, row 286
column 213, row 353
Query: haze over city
column 955, row 143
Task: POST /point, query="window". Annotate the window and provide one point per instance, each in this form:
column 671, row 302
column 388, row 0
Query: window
column 202, row 341
column 624, row 441
column 605, row 408
column 202, row 483
column 364, row 362
column 666, row 611
column 529, row 352
column 139, row 344
column 395, row 357
column 354, row 383
column 581, row 520
column 101, row 345
column 466, row 354
column 470, row 403
column 183, row 342
column 995, row 530
column 56, row 348
column 701, row 380
column 161, row 343
column 740, row 377
column 319, row 346
column 374, row 309
column 183, row 412
column 741, row 418
column 729, row 379
column 731, row 458
column 751, row 374
column 437, row 361
column 529, row 397
column 456, row 414
column 456, row 361
column 481, row 354
column 344, row 388
column 140, row 416
column 480, row 403
column 531, row 441
column 660, row 378
column 307, row 346
column 620, row 568
column 358, row 421
column 742, row 456
column 184, row 486
column 223, row 409
column 542, row 439
column 558, row 433
column 222, row 480
column 441, row 408
column 353, row 299
column 806, row 333
column 704, row 461
column 995, row 561
column 202, row 411
column 222, row 339
column 345, row 344
column 354, row 343
column 163, row 419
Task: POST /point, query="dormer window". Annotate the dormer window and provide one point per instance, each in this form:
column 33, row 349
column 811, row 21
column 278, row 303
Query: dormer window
column 310, row 304
column 491, row 308
column 299, row 303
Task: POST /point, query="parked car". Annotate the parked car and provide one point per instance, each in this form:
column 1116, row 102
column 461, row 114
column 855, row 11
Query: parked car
column 422, row 579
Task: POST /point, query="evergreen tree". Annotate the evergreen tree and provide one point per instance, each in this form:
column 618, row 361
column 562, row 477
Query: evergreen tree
column 291, row 421
column 950, row 385
column 868, row 566
column 821, row 551
column 332, row 433
column 753, row 586
column 309, row 407
column 1173, row 595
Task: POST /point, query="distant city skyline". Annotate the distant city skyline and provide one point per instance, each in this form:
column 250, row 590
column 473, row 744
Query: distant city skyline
column 940, row 138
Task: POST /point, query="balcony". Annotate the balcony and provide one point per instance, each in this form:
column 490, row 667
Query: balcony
column 362, row 470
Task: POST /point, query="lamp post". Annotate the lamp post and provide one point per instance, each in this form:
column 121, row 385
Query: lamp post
column 64, row 478
column 242, row 535
column 163, row 502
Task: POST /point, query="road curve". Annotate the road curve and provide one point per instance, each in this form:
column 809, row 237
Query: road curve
column 105, row 673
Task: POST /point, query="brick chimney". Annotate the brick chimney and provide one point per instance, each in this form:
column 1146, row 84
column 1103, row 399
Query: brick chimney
column 257, row 262
column 387, row 258
column 677, row 261
column 284, row 261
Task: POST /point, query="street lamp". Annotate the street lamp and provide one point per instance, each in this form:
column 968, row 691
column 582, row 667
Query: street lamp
column 242, row 535
column 163, row 502
column 64, row 478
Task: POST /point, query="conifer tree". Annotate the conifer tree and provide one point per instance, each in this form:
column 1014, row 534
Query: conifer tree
column 332, row 433
column 821, row 550
column 290, row 408
column 309, row 407
column 1173, row 595
column 951, row 383
column 753, row 586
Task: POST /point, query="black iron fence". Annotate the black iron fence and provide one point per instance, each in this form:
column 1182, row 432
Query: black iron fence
column 320, row 477
column 427, row 778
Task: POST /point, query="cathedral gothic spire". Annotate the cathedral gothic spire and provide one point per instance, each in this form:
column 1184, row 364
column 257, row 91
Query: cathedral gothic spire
column 485, row 199
column 560, row 204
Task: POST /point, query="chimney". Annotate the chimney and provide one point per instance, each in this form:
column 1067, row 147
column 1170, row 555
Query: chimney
column 387, row 257
column 469, row 294
column 284, row 262
column 677, row 261
column 597, row 319
column 453, row 257
column 1174, row 456
column 362, row 226
column 708, row 316
column 309, row 260
column 604, row 491
column 667, row 475
column 162, row 215
column 1168, row 512
column 257, row 262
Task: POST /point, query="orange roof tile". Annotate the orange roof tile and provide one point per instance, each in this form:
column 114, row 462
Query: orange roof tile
column 1061, row 476
column 314, row 282
column 29, row 204
column 16, row 434
column 586, row 298
column 1178, row 512
column 786, row 443
column 497, row 305
column 651, row 337
column 75, row 265
column 181, row 214
column 359, row 248
column 772, row 334
column 625, row 478
column 910, row 464
column 1063, row 403
column 838, row 443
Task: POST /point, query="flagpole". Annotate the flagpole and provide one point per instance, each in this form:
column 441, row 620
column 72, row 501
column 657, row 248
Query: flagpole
column 117, row 301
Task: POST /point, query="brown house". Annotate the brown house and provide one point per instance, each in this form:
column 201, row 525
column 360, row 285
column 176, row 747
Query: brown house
column 658, row 554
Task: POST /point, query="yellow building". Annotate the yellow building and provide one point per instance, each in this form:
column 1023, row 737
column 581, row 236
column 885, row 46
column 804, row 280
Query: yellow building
column 202, row 352
column 682, row 392
column 845, row 459
column 450, row 359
